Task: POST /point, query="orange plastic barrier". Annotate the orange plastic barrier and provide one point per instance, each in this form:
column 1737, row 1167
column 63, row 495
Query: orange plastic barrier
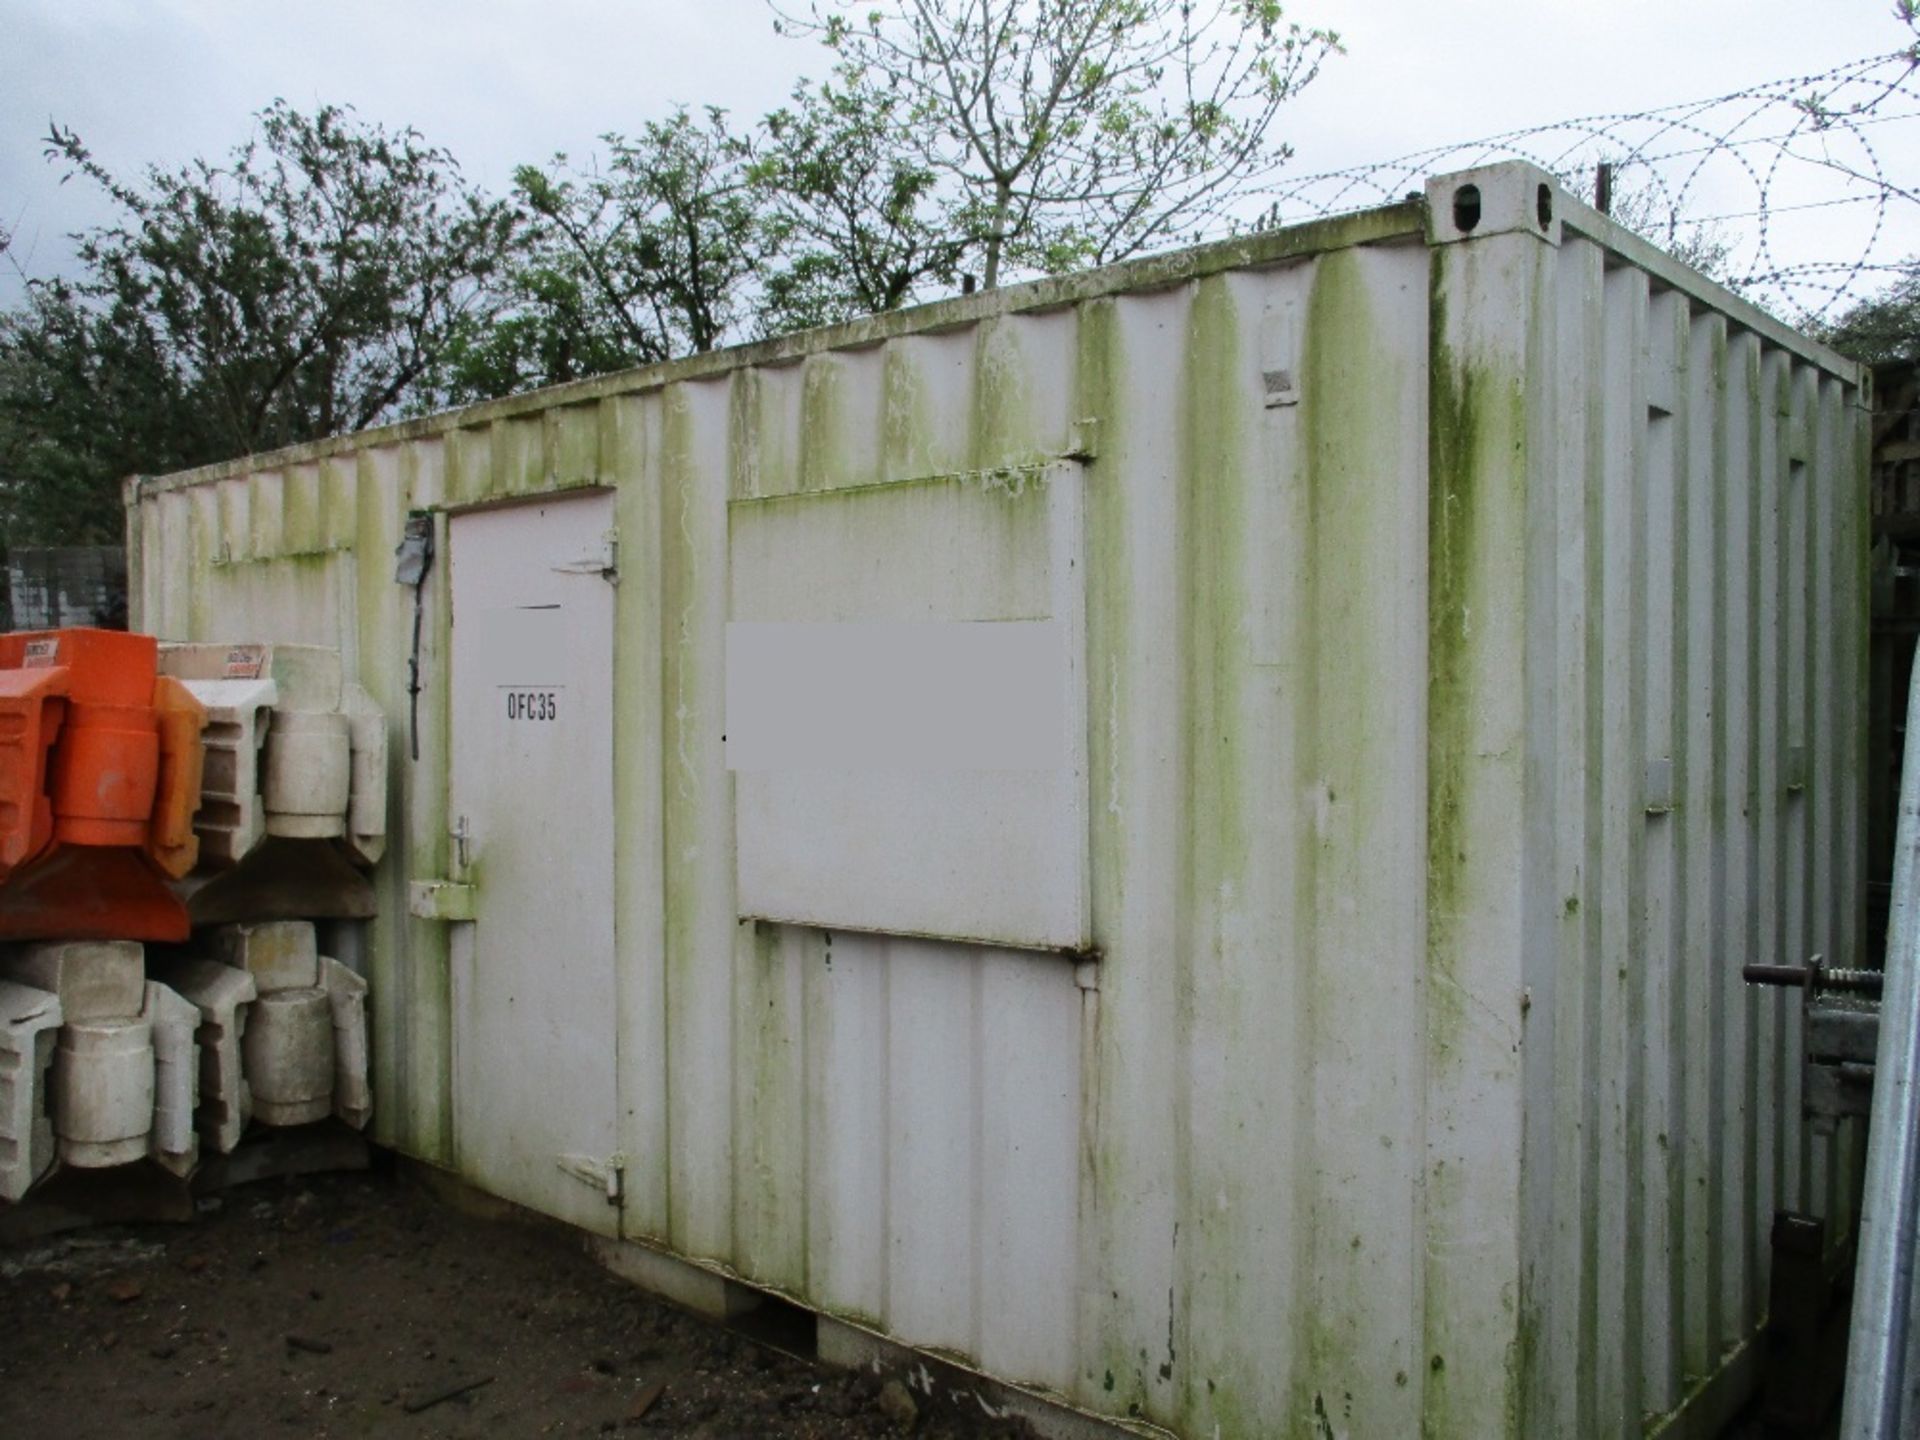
column 100, row 762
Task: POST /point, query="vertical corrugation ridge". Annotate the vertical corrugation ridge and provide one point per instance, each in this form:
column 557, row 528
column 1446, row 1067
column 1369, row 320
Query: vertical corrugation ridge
column 1723, row 1261
column 1790, row 480
column 339, row 517
column 1135, row 551
column 1208, row 819
column 1799, row 813
column 1770, row 482
column 630, row 446
column 976, row 1101
column 265, row 498
column 1695, row 815
column 1337, row 610
column 1489, row 775
column 700, row 920
column 1623, row 977
column 297, row 527
column 1574, row 697
column 1839, row 588
column 1664, row 1037
column 1737, row 496
column 235, row 528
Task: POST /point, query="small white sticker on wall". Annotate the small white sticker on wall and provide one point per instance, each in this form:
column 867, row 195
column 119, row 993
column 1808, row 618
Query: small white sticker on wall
column 901, row 696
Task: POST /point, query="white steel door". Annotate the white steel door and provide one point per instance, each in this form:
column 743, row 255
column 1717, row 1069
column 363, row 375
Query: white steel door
column 531, row 812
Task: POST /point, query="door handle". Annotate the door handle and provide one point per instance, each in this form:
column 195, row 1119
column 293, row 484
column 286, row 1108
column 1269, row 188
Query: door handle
column 462, row 834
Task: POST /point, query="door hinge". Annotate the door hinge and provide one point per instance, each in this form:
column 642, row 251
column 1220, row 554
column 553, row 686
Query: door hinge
column 603, row 561
column 608, row 1176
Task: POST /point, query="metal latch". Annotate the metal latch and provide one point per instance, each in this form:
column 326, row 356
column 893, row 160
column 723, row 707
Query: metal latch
column 608, row 1176
column 1839, row 1035
column 603, row 561
column 446, row 900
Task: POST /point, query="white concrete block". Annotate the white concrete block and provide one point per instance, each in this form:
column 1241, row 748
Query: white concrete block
column 279, row 954
column 223, row 996
column 176, row 1080
column 29, row 1023
column 288, row 1055
column 308, row 781
column 347, row 1000
column 95, row 979
column 103, row 1091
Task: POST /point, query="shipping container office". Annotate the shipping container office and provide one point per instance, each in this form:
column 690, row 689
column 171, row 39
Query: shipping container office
column 1450, row 630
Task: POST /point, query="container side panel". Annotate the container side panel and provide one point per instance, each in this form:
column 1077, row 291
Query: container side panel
column 848, row 1096
column 408, row 958
column 629, row 445
column 769, row 1107
column 1489, row 746
column 335, row 483
column 1705, row 611
column 299, row 530
column 1826, row 654
column 256, row 514
column 1704, row 420
column 423, row 1046
column 1020, row 366
column 925, row 433
column 1734, row 1078
column 1570, row 1021
column 1242, row 1079
column 206, row 545
column 933, row 1137
column 1771, row 1121
column 233, row 506
column 940, row 1167
column 1616, row 678
column 1130, row 1209
column 571, row 446
column 301, row 599
column 1350, row 677
column 468, row 475
column 1841, row 601
column 840, row 431
column 170, row 575
column 338, row 523
column 1661, row 1035
column 1029, row 1155
column 1802, row 910
column 698, row 799
column 517, row 463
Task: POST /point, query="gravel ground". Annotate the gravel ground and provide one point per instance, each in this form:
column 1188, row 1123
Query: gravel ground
column 354, row 1305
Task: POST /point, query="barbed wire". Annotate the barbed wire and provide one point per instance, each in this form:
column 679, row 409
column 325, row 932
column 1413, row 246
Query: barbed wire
column 1766, row 158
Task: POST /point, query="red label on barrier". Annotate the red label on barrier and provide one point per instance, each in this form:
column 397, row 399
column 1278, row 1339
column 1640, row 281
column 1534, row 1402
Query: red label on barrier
column 244, row 662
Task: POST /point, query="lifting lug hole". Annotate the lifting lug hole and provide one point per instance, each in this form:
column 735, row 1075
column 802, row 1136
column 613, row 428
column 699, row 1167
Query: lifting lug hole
column 1466, row 208
column 1543, row 206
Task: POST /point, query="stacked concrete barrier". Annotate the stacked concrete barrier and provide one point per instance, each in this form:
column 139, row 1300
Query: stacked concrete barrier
column 172, row 822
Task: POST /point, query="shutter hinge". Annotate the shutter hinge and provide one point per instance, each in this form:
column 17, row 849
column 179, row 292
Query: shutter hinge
column 604, row 562
column 609, row 1176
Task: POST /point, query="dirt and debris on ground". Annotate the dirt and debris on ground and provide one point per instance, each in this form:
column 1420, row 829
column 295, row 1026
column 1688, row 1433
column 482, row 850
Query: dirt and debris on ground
column 360, row 1305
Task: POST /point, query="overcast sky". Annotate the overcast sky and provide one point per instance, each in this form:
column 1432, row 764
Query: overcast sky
column 500, row 82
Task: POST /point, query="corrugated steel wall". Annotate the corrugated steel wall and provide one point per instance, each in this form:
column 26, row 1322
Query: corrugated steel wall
column 1474, row 659
column 1659, row 643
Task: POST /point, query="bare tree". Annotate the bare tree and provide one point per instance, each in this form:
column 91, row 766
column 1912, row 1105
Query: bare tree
column 1079, row 132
